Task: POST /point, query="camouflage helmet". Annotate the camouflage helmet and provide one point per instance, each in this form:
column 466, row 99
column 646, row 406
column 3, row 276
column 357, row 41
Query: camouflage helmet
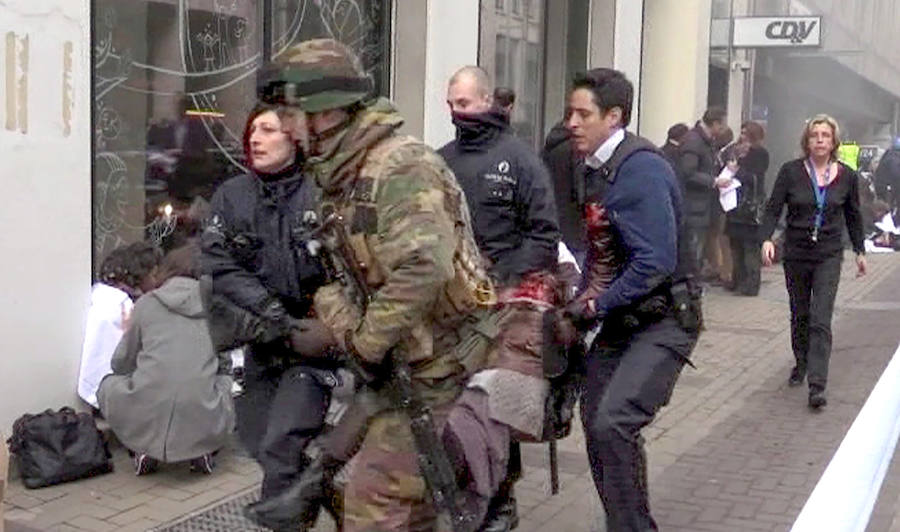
column 316, row 75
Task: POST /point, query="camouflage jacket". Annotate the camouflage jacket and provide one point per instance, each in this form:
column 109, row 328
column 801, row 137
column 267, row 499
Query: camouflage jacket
column 402, row 211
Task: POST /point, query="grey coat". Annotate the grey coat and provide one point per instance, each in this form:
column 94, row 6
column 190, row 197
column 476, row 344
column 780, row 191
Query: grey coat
column 165, row 397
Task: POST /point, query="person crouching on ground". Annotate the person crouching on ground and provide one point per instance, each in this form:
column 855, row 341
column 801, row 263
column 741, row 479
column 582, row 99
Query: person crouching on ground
column 165, row 399
column 126, row 273
column 822, row 196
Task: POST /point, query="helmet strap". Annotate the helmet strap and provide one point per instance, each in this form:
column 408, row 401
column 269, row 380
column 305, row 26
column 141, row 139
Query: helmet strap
column 318, row 138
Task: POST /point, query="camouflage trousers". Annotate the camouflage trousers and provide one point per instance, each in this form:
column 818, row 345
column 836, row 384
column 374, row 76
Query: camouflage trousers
column 384, row 488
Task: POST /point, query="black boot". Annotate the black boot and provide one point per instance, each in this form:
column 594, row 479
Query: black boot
column 502, row 516
column 817, row 399
column 797, row 376
column 473, row 508
column 297, row 507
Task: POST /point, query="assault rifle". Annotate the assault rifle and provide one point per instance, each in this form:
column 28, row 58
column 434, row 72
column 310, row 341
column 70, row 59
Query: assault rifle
column 433, row 462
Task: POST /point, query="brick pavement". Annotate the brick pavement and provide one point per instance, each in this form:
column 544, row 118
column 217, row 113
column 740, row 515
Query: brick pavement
column 733, row 429
column 735, row 450
column 123, row 502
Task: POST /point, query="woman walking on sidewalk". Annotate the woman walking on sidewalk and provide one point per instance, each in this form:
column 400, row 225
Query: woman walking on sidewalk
column 822, row 197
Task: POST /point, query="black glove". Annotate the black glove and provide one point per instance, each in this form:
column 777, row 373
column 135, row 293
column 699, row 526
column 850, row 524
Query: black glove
column 272, row 312
column 310, row 338
column 582, row 314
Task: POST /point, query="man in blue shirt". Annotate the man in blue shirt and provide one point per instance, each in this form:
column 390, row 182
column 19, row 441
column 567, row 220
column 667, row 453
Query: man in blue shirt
column 636, row 284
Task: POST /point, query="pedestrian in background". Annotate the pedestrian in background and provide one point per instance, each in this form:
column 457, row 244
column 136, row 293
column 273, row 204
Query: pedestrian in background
column 697, row 172
column 505, row 100
column 751, row 161
column 887, row 178
column 674, row 138
column 822, row 198
column 716, row 248
column 126, row 274
column 568, row 188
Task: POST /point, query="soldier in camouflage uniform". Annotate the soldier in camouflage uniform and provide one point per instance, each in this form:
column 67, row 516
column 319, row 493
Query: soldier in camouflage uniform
column 410, row 237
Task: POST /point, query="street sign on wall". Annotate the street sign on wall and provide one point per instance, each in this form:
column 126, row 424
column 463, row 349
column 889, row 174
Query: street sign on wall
column 758, row 32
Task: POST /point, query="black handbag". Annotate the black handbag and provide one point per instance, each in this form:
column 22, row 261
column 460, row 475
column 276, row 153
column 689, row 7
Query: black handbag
column 750, row 209
column 55, row 447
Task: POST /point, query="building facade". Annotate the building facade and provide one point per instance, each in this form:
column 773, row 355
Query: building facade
column 807, row 57
column 116, row 114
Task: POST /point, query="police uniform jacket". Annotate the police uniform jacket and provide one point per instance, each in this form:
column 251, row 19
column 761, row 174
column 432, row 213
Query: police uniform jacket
column 254, row 248
column 508, row 192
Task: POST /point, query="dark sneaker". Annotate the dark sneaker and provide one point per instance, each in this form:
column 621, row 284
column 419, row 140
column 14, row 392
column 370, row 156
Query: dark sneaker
column 796, row 378
column 817, row 400
column 204, row 464
column 144, row 465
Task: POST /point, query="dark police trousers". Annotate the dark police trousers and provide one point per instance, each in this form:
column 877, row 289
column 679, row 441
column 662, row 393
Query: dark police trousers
column 280, row 411
column 812, row 287
column 629, row 378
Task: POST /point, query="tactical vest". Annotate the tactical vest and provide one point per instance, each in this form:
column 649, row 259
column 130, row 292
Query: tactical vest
column 609, row 171
column 470, row 287
column 465, row 301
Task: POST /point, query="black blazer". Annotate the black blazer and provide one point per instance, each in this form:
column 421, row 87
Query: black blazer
column 793, row 188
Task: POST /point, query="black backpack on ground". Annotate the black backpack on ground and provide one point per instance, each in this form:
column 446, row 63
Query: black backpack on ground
column 55, row 447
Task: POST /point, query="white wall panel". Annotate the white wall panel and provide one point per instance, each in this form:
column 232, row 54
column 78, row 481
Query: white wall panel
column 45, row 273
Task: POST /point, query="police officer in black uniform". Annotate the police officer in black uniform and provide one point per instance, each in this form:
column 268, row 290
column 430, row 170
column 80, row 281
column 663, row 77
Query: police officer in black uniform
column 650, row 309
column 507, row 186
column 263, row 274
column 513, row 213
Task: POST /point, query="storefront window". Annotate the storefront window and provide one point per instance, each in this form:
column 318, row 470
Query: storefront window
column 173, row 81
column 512, row 51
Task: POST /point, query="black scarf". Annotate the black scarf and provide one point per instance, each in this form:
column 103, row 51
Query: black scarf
column 286, row 172
column 276, row 187
column 476, row 131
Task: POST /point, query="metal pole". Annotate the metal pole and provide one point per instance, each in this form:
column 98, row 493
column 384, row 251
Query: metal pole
column 730, row 52
column 750, row 78
column 267, row 21
column 748, row 86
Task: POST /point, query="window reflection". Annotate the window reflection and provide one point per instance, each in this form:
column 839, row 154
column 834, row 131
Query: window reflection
column 512, row 51
column 173, row 83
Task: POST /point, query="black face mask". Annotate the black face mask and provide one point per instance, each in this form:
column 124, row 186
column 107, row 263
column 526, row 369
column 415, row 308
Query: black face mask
column 476, row 129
